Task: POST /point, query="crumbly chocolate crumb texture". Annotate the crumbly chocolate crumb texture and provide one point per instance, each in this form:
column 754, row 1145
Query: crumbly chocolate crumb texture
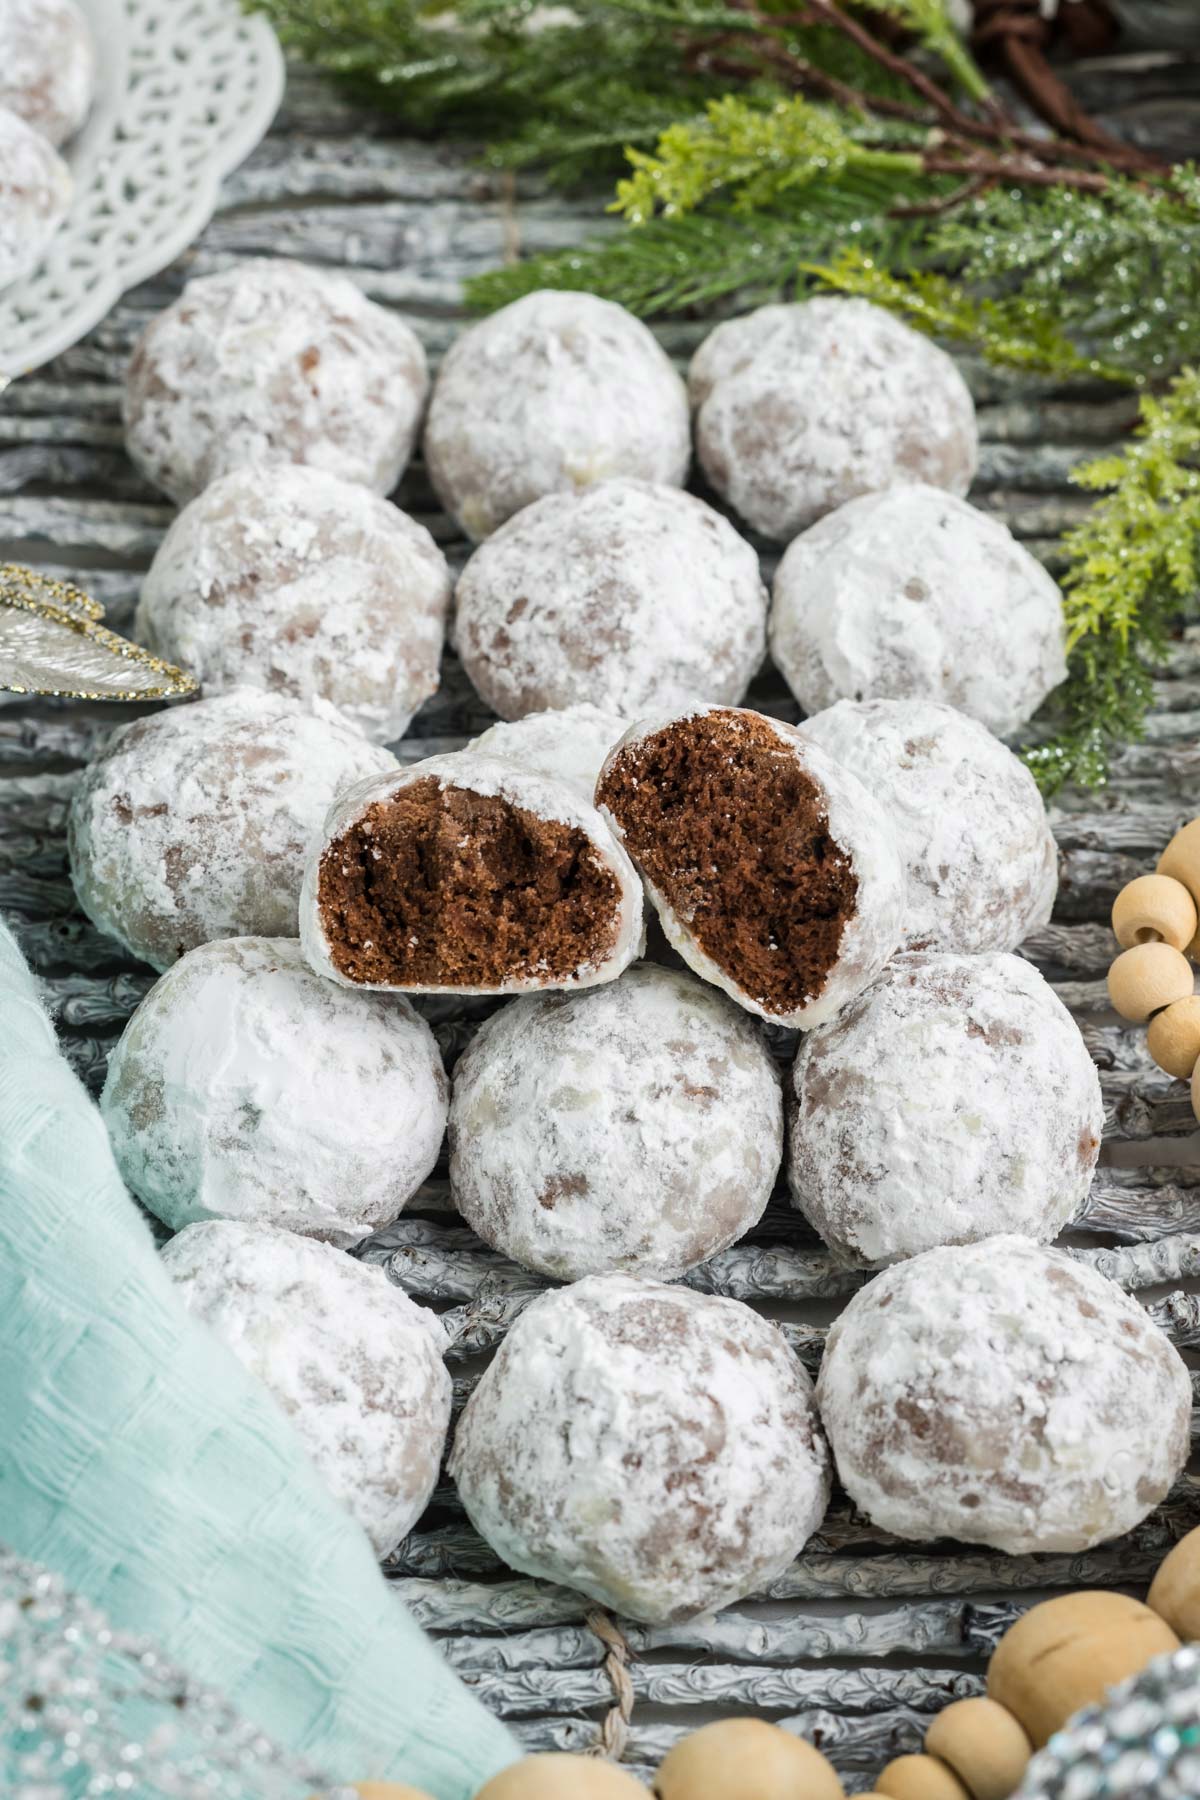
column 443, row 887
column 726, row 824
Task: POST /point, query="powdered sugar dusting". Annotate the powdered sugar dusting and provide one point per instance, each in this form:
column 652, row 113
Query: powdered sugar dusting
column 478, row 773
column 630, row 596
column 914, row 595
column 273, row 361
column 659, row 1127
column 1002, row 1394
column 980, row 858
column 283, row 577
column 35, row 192
column 246, row 1087
column 655, row 1448
column 549, row 395
column 569, row 743
column 802, row 407
column 355, row 1364
column 47, row 65
column 954, row 1099
column 194, row 823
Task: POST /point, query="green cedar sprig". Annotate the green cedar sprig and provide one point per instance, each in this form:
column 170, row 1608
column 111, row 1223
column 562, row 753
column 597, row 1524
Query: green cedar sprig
column 1133, row 565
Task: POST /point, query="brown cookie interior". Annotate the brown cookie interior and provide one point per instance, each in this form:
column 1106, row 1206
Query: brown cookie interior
column 721, row 816
column 442, row 887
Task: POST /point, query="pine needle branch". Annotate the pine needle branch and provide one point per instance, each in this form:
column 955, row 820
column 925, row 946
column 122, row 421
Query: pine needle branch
column 1134, row 566
column 1004, row 331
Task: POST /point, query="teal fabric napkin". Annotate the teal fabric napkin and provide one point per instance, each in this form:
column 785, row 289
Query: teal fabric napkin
column 142, row 1463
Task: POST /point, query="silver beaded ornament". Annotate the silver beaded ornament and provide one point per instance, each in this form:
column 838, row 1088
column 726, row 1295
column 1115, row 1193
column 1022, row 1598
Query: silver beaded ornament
column 1142, row 1744
column 87, row 1711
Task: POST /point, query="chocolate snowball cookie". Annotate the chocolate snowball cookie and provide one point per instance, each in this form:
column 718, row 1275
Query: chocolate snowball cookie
column 800, row 408
column 549, row 395
column 47, row 65
column 952, row 1100
column 774, row 872
column 629, row 596
column 659, row 1127
column 979, row 855
column 246, row 1087
column 356, row 1365
column 655, row 1448
column 272, row 361
column 568, row 743
column 1004, row 1394
column 35, row 192
column 914, row 595
column 283, row 577
column 468, row 874
column 194, row 823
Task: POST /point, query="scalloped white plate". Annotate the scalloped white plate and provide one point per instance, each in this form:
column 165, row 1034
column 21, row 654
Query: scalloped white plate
column 186, row 89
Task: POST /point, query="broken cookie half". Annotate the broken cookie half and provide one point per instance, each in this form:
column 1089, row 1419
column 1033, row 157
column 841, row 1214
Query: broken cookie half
column 774, row 871
column 468, row 874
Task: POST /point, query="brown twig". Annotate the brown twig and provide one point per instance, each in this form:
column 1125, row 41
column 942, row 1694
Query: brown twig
column 1024, row 172
column 1098, row 148
column 807, row 78
column 824, row 12
column 921, row 209
column 1017, row 35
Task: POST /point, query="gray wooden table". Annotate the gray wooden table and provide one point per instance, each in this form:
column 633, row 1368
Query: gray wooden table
column 863, row 1638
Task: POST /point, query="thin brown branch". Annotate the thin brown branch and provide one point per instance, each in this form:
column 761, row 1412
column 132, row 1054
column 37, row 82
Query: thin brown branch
column 807, row 78
column 1054, row 101
column 1018, row 170
column 923, row 209
column 824, row 12
column 1098, row 149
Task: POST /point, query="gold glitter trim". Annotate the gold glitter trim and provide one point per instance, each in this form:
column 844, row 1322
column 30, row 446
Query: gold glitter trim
column 61, row 603
column 28, row 588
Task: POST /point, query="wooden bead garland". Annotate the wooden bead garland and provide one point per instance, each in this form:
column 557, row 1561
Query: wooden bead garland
column 745, row 1759
column 388, row 1790
column 1174, row 1037
column 1147, row 978
column 1175, row 1591
column 921, row 1778
column 560, row 1776
column 1181, row 858
column 1154, row 919
column 983, row 1744
column 1154, row 909
column 1067, row 1653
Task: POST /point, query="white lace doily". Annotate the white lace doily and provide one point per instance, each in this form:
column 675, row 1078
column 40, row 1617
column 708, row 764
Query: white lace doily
column 186, row 88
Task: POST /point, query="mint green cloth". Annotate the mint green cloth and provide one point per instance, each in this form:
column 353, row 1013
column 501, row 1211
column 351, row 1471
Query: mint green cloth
column 142, row 1463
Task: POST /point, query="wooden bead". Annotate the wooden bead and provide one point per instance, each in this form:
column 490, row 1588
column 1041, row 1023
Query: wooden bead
column 983, row 1744
column 1147, row 977
column 745, row 1759
column 1181, row 859
column 1154, row 909
column 558, row 1776
column 1173, row 1039
column 1175, row 1591
column 386, row 1790
column 921, row 1778
column 1067, row 1653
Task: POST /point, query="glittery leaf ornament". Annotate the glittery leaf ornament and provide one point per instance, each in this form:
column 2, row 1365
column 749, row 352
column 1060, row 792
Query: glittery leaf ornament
column 52, row 642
